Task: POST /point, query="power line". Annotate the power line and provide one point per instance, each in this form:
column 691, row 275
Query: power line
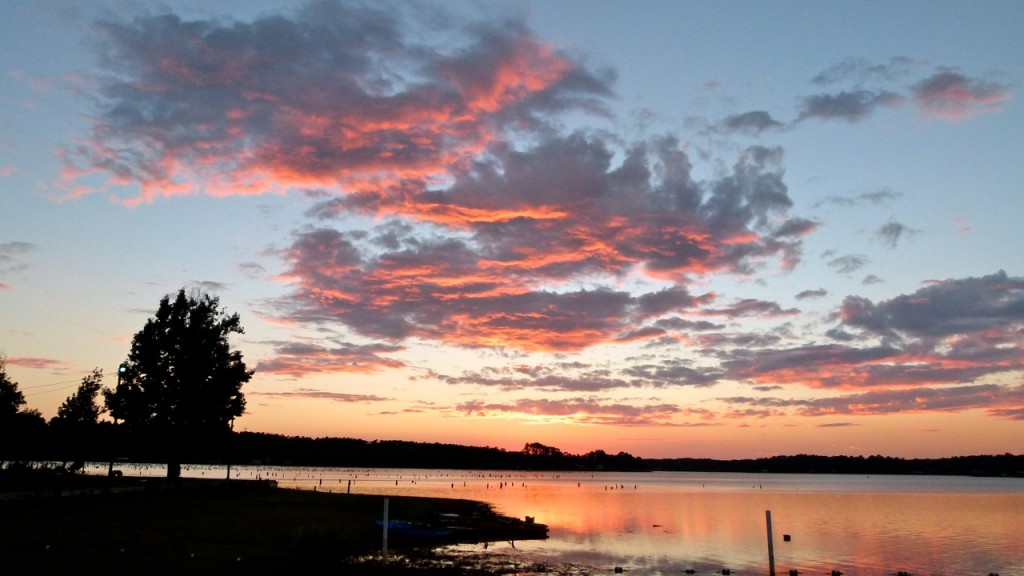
column 54, row 387
column 33, row 386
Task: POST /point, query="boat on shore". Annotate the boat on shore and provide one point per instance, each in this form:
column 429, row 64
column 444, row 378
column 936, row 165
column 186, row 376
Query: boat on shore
column 497, row 527
column 416, row 529
column 460, row 528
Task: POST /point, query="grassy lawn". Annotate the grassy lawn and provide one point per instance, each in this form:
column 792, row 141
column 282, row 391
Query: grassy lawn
column 209, row 528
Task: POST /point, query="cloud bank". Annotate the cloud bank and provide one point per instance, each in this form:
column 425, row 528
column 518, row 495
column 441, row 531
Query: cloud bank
column 451, row 205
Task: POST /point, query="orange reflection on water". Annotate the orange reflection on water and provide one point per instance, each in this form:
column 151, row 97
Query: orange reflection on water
column 664, row 523
column 660, row 529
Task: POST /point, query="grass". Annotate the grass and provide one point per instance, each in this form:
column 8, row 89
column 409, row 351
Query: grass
column 210, row 527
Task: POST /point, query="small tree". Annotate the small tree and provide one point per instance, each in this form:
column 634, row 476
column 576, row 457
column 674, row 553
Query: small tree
column 11, row 399
column 75, row 427
column 81, row 409
column 16, row 422
column 182, row 381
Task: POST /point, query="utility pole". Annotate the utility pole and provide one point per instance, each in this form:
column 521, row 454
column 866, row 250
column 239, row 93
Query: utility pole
column 113, row 433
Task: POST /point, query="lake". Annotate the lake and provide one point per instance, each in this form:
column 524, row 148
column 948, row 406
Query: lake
column 663, row 523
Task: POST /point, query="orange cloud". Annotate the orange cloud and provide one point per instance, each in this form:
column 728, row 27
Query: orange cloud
column 251, row 108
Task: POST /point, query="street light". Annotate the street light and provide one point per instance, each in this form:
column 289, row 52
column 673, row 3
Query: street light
column 120, row 372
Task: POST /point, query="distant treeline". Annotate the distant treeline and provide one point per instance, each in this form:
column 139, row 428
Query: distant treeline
column 995, row 465
column 273, row 449
column 105, row 442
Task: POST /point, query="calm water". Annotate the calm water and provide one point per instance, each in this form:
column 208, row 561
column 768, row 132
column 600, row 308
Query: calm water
column 666, row 522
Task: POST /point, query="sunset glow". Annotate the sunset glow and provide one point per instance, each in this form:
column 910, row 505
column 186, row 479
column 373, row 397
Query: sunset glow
column 672, row 229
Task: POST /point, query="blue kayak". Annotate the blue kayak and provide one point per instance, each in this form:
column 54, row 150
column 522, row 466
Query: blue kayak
column 412, row 529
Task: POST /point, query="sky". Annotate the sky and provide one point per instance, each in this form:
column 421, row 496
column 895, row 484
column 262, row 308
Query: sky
column 674, row 229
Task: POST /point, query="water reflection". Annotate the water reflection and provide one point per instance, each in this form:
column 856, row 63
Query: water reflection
column 665, row 523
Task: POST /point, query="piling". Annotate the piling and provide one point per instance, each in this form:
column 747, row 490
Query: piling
column 384, row 548
column 771, row 545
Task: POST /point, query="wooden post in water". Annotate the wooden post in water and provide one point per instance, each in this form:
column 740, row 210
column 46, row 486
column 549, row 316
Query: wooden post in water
column 771, row 546
column 385, row 547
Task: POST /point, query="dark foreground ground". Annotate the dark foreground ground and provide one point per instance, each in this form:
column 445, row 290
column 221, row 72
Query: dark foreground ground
column 152, row 527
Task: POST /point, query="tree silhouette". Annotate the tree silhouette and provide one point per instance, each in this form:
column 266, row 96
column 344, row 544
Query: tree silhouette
column 75, row 427
column 11, row 399
column 182, row 381
column 27, row 426
column 80, row 409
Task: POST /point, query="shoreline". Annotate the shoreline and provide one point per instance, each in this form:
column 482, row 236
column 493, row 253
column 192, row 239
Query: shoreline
column 94, row 525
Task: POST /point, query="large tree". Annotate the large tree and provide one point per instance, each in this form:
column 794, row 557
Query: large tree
column 182, row 382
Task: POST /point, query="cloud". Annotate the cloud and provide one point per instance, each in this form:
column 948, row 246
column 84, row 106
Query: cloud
column 812, row 294
column 948, row 333
column 849, row 367
column 810, row 365
column 892, row 232
column 753, row 122
column 12, row 259
column 859, row 71
column 674, row 373
column 877, row 197
column 10, row 252
column 558, row 377
column 450, row 206
column 37, row 363
column 252, row 270
column 1014, row 413
column 962, row 227
column 581, row 377
column 852, row 106
column 579, row 410
column 493, row 227
column 887, row 402
column 990, row 306
column 796, row 227
column 334, row 94
column 303, row 359
column 950, row 95
column 750, row 307
column 209, row 286
column 849, row 264
column 947, row 93
column 680, row 324
column 321, row 395
column 497, row 257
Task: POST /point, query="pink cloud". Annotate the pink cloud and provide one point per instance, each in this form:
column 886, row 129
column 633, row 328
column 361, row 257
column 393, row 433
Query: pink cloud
column 300, row 359
column 950, row 95
column 997, row 400
column 36, row 363
column 582, row 410
column 322, row 395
